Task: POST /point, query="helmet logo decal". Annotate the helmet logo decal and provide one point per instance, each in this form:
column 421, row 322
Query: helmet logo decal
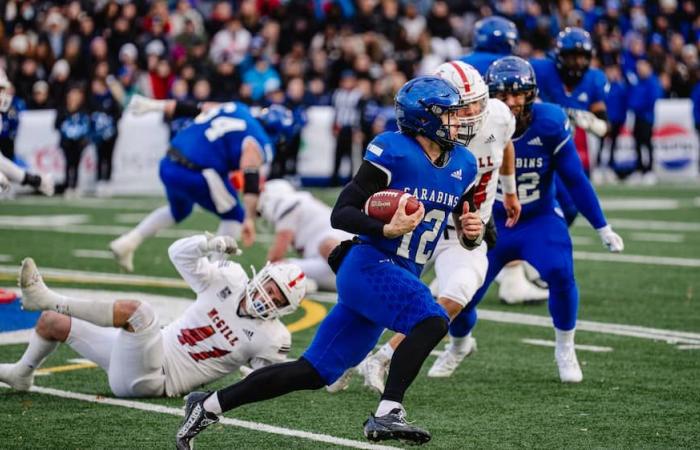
column 293, row 283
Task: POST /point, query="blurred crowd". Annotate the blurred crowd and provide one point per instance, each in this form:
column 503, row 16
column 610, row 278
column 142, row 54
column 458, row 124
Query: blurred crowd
column 351, row 54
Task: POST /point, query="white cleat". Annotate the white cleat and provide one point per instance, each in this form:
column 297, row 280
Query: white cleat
column 123, row 250
column 569, row 368
column 341, row 383
column 47, row 186
column 516, row 289
column 9, row 376
column 373, row 370
column 446, row 364
column 35, row 295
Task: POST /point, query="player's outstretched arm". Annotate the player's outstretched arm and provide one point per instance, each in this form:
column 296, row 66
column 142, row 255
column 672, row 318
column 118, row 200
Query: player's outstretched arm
column 250, row 163
column 283, row 240
column 347, row 214
column 188, row 255
column 569, row 168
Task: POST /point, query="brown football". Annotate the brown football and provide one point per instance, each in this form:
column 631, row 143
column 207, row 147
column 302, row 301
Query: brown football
column 383, row 204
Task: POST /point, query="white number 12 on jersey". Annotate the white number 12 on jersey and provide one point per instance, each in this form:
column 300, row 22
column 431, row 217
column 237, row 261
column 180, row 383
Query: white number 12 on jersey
column 436, row 215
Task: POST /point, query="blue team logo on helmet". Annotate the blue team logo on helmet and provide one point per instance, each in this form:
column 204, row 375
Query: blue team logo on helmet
column 513, row 75
column 421, row 102
column 573, row 52
column 279, row 123
column 496, row 34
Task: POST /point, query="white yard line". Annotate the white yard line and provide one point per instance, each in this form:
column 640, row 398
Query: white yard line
column 100, row 203
column 5, row 258
column 689, row 347
column 637, row 259
column 646, row 225
column 588, row 348
column 657, row 237
column 638, row 204
column 42, row 221
column 112, row 230
column 670, row 336
column 256, row 426
column 95, row 254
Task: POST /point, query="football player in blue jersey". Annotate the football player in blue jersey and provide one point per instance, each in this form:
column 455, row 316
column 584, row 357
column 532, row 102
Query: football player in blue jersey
column 10, row 109
column 567, row 80
column 222, row 138
column 378, row 271
column 494, row 38
column 543, row 149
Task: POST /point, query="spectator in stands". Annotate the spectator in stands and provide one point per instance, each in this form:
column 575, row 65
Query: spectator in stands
column 105, row 111
column 695, row 97
column 616, row 106
column 40, row 96
column 260, row 76
column 73, row 124
column 642, row 97
column 345, row 100
column 58, row 81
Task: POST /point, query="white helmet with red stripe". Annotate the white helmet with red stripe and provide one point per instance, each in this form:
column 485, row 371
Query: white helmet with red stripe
column 291, row 282
column 474, row 95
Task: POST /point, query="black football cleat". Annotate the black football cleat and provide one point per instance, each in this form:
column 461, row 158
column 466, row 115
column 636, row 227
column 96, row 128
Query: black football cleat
column 196, row 419
column 394, row 426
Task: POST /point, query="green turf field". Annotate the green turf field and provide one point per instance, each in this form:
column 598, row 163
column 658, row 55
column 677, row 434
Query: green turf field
column 642, row 393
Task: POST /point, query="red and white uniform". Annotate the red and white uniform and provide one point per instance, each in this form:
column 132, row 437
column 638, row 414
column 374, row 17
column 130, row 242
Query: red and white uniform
column 460, row 272
column 310, row 221
column 210, row 339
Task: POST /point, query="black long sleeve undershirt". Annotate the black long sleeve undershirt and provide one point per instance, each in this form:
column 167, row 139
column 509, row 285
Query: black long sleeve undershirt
column 186, row 108
column 347, row 213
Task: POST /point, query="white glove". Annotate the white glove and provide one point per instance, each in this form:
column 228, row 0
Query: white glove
column 610, row 239
column 588, row 121
column 140, row 105
column 221, row 244
column 4, row 183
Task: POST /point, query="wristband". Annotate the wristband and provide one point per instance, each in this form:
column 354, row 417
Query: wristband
column 507, row 183
column 251, row 181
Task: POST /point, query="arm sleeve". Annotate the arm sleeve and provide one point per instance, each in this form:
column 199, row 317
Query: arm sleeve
column 347, row 213
column 191, row 263
column 186, row 108
column 570, row 170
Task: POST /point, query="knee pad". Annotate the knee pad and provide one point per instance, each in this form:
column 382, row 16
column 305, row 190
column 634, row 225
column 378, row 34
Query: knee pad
column 142, row 318
column 461, row 286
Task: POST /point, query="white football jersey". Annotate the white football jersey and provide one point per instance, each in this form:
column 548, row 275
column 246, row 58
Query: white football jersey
column 309, row 219
column 210, row 339
column 487, row 147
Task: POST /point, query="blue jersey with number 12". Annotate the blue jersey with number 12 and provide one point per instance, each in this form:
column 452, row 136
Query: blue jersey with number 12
column 439, row 189
column 215, row 138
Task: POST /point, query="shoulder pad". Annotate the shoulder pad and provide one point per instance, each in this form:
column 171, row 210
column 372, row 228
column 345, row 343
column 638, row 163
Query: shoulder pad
column 550, row 118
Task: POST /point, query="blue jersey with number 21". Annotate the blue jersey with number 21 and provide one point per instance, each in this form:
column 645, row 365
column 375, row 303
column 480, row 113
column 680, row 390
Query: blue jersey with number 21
column 215, row 138
column 439, row 188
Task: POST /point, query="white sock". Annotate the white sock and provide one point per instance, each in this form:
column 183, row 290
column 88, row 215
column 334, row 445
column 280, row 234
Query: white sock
column 459, row 344
column 385, row 407
column 564, row 339
column 154, row 222
column 212, row 405
column 36, row 353
column 230, row 228
column 385, row 353
column 100, row 313
column 11, row 170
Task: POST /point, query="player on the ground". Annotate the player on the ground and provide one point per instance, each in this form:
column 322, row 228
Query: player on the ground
column 10, row 108
column 195, row 169
column 378, row 275
column 301, row 222
column 566, row 79
column 494, row 37
column 543, row 148
column 460, row 272
column 233, row 322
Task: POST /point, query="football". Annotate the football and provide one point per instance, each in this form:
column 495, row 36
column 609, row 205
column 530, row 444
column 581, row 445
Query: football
column 383, row 204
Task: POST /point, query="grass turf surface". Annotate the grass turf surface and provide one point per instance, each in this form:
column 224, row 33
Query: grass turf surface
column 642, row 394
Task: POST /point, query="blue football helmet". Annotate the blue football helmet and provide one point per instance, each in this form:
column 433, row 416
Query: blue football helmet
column 513, row 75
column 573, row 53
column 421, row 102
column 496, row 34
column 279, row 123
